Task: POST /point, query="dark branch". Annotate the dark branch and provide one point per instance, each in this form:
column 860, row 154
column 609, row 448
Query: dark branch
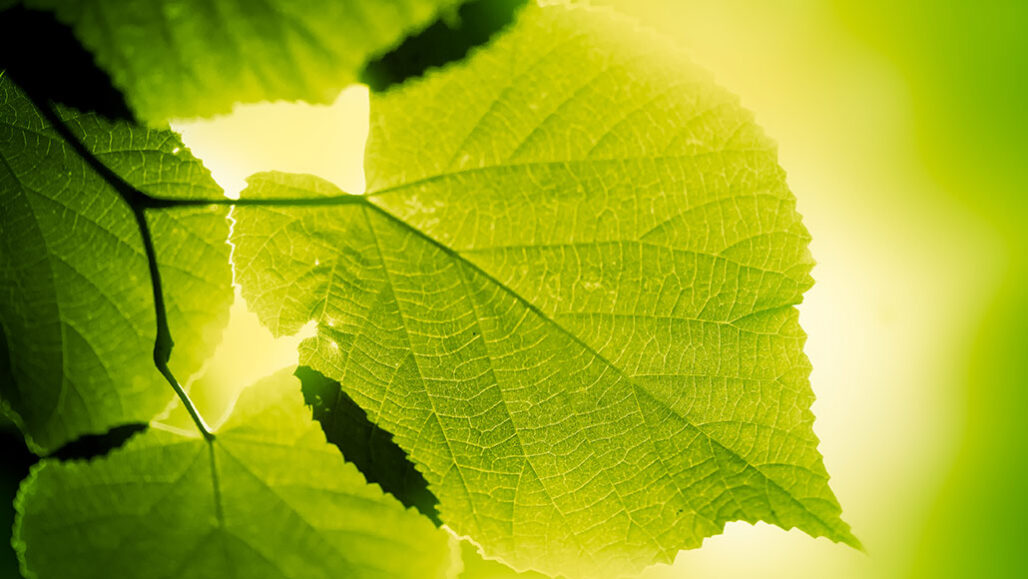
column 131, row 195
column 138, row 202
column 164, row 343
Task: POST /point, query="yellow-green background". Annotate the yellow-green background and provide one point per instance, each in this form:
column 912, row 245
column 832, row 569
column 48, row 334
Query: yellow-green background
column 903, row 129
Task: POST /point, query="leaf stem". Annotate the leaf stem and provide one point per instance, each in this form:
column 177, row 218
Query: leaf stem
column 344, row 199
column 163, row 344
column 138, row 202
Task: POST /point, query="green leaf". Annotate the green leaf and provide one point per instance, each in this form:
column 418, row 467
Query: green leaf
column 268, row 497
column 181, row 59
column 78, row 310
column 569, row 294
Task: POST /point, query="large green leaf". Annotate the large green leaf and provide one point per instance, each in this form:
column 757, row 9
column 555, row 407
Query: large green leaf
column 267, row 498
column 569, row 294
column 179, row 59
column 77, row 309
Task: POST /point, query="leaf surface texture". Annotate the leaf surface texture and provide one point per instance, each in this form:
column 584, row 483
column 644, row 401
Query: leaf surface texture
column 78, row 312
column 570, row 298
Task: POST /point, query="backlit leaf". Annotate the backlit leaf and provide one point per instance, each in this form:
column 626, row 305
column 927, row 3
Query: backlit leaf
column 569, row 293
column 181, row 59
column 268, row 498
column 77, row 309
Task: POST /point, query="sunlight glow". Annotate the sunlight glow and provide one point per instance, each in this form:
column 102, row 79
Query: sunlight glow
column 325, row 140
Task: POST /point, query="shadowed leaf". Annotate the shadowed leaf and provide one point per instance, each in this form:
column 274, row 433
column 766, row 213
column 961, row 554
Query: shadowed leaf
column 367, row 446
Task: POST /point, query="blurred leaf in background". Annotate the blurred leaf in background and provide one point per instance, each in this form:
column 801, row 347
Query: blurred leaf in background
column 966, row 64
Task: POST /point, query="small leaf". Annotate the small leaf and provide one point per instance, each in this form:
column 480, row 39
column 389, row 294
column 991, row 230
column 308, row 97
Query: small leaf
column 195, row 58
column 269, row 497
column 78, row 311
column 569, row 294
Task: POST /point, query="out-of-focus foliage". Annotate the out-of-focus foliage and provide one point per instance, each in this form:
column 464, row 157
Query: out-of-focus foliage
column 966, row 66
column 182, row 59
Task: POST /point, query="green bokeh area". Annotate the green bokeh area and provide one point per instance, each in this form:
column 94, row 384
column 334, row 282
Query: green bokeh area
column 966, row 65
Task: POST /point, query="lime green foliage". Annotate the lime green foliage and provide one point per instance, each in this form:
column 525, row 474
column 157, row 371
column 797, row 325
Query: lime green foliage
column 267, row 498
column 77, row 313
column 568, row 294
column 179, row 59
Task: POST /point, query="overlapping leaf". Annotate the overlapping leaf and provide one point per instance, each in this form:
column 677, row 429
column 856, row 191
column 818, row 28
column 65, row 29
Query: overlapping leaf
column 568, row 294
column 179, row 59
column 269, row 497
column 77, row 311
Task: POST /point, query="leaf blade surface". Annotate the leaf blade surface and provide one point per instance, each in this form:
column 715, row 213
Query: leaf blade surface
column 570, row 298
column 267, row 498
column 79, row 316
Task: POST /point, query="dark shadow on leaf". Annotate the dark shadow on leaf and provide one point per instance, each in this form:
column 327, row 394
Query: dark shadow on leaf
column 447, row 40
column 364, row 444
column 17, row 459
column 8, row 387
column 43, row 56
column 97, row 445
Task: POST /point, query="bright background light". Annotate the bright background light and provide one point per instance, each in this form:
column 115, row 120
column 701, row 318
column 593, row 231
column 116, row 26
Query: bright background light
column 324, row 140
